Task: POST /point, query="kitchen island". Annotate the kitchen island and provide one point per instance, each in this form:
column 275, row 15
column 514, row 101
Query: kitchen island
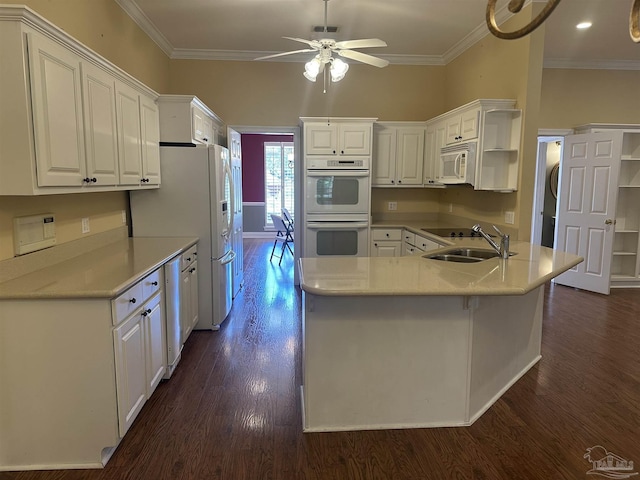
column 408, row 342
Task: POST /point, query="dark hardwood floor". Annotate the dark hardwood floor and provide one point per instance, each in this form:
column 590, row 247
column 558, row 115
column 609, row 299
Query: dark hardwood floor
column 232, row 409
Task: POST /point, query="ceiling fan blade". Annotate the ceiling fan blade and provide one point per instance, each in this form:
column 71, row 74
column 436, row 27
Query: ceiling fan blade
column 363, row 43
column 304, row 50
column 312, row 43
column 363, row 57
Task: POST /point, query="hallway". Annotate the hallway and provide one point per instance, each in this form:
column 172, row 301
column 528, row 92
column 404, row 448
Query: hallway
column 232, row 409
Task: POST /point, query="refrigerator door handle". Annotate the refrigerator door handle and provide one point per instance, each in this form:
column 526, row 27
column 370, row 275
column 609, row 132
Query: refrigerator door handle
column 229, row 257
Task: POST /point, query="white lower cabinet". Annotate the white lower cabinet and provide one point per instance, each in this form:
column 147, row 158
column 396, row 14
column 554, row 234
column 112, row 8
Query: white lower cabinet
column 386, row 242
column 414, row 244
column 131, row 373
column 139, row 346
column 189, row 292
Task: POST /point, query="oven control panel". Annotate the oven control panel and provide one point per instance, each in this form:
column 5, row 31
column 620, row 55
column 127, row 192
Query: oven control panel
column 357, row 163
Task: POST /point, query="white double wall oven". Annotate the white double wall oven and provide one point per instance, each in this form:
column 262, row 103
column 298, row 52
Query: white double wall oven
column 337, row 206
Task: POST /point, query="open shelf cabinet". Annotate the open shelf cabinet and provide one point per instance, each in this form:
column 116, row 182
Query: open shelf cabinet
column 499, row 154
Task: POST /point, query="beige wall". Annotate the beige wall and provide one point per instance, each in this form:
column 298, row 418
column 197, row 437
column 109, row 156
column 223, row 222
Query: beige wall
column 409, row 200
column 276, row 93
column 104, row 27
column 575, row 97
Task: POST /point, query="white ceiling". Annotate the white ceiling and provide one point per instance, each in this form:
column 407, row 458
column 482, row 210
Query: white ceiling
column 416, row 31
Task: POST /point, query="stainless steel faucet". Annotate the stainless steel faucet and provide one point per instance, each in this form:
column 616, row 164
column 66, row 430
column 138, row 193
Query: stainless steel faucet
column 503, row 248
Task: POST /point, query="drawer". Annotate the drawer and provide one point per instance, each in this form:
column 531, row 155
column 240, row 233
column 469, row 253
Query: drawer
column 409, row 237
column 126, row 303
column 380, row 234
column 151, row 284
column 426, row 244
column 188, row 257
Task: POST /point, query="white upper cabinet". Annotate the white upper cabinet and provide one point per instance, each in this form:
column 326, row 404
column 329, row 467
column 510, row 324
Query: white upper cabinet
column 99, row 99
column 185, row 119
column 337, row 137
column 398, row 156
column 463, row 126
column 57, row 121
column 434, row 140
column 76, row 119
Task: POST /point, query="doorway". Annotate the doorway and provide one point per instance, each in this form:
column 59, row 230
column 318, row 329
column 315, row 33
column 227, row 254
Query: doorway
column 550, row 150
column 254, row 200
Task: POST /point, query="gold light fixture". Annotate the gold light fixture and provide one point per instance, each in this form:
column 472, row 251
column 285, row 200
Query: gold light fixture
column 516, row 5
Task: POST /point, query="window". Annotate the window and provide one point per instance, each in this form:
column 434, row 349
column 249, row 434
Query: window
column 278, row 179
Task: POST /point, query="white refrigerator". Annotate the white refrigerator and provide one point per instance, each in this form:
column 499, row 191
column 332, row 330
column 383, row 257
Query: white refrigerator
column 195, row 199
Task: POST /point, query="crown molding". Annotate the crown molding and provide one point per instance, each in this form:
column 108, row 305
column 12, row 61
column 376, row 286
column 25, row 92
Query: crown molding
column 245, row 56
column 137, row 15
column 569, row 63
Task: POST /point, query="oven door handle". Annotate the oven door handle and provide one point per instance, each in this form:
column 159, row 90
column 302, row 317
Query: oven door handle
column 338, row 173
column 336, row 225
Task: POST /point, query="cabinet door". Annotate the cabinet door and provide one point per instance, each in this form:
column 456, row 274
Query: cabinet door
column 469, row 124
column 193, row 294
column 410, row 156
column 321, row 139
column 207, row 130
column 384, row 156
column 355, row 139
column 129, row 135
column 99, row 98
column 155, row 343
column 185, row 305
column 130, row 371
column 198, row 124
column 150, row 131
column 386, row 249
column 57, row 113
column 454, row 127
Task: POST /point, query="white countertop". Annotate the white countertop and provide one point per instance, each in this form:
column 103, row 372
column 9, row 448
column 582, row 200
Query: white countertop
column 531, row 267
column 101, row 273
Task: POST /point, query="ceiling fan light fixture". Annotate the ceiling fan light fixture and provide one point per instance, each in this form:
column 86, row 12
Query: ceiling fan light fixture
column 312, row 69
column 338, row 69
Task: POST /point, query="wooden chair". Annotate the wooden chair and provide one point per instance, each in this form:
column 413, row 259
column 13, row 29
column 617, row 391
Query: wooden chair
column 283, row 236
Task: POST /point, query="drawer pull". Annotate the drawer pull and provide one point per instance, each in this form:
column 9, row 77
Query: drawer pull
column 155, row 284
column 133, row 300
column 192, row 270
column 188, row 259
column 146, row 312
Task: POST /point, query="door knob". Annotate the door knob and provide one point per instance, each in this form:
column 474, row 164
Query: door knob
column 608, row 221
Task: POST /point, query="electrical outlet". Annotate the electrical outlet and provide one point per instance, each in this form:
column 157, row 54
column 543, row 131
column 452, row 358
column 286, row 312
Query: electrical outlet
column 85, row 225
column 124, row 217
column 509, row 218
column 451, row 208
column 393, row 206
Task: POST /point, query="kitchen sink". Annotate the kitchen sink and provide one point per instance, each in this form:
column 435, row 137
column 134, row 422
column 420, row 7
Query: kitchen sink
column 463, row 255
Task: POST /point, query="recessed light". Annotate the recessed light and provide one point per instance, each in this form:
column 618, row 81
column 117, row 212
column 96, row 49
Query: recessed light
column 583, row 25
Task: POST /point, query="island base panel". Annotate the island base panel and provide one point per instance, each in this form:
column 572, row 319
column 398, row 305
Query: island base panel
column 411, row 362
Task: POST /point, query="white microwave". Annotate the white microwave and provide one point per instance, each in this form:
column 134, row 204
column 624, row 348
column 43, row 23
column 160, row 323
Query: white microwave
column 458, row 164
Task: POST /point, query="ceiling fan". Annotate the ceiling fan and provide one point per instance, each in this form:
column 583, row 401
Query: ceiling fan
column 326, row 47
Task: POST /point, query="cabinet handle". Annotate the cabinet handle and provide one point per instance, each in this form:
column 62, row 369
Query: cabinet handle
column 192, row 270
column 155, row 284
column 393, row 181
column 133, row 300
column 195, row 254
column 399, row 181
column 375, row 244
column 146, row 312
column 334, row 151
column 188, row 259
column 144, row 180
column 94, row 180
column 86, row 180
column 387, row 234
column 205, row 139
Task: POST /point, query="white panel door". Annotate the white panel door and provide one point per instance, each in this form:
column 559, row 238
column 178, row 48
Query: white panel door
column 57, row 113
column 586, row 209
column 130, row 371
column 100, row 125
column 410, row 156
column 155, row 342
column 129, row 134
column 235, row 152
column 150, row 141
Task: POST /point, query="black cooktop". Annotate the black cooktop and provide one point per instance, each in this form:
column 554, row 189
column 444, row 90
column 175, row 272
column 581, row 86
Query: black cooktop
column 452, row 232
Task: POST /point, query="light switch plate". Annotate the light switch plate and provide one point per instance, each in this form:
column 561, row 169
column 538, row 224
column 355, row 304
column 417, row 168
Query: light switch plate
column 393, row 206
column 85, row 225
column 509, row 218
